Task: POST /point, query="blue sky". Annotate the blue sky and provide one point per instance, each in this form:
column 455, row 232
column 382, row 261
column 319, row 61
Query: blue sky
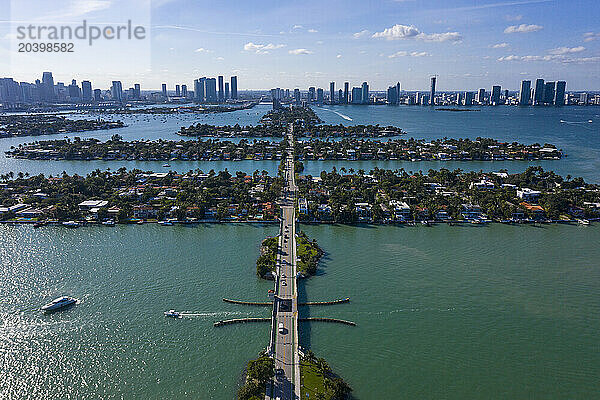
column 468, row 44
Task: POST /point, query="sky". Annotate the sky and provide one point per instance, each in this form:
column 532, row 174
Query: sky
column 276, row 43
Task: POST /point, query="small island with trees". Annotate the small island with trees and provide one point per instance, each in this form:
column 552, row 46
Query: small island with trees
column 47, row 124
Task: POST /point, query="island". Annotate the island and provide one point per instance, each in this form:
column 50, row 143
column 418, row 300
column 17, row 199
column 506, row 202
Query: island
column 346, row 149
column 47, row 124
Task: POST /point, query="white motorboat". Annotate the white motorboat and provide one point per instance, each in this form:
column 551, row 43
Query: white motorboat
column 172, row 314
column 59, row 304
column 71, row 224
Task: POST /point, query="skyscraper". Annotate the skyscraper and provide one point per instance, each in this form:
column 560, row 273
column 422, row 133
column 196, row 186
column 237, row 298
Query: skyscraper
column 495, row 96
column 559, row 93
column 184, row 90
column 481, row 96
column 311, row 94
column 297, row 96
column 356, row 95
column 86, row 89
column 365, row 93
column 340, row 96
column 177, row 91
column 392, row 95
column 234, row 93
column 468, row 101
column 210, row 89
column 221, row 91
column 346, row 86
column 549, row 93
column 320, row 96
column 226, row 90
column 398, row 91
column 432, row 91
column 538, row 92
column 137, row 89
column 199, row 89
column 74, row 91
column 116, row 91
column 525, row 93
column 332, row 92
column 164, row 90
column 48, row 87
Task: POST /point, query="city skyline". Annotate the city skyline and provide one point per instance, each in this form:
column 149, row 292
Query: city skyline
column 468, row 45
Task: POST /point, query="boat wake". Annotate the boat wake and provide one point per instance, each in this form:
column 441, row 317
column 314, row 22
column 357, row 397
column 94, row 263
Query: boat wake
column 578, row 123
column 347, row 118
column 211, row 314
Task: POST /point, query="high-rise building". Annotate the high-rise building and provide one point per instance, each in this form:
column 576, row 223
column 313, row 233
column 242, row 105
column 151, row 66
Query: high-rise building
column 211, row 89
column 74, row 91
column 495, row 95
column 525, row 93
column 184, row 90
column 538, row 92
column 199, row 92
column 583, row 99
column 392, row 95
column 116, row 91
column 287, row 93
column 86, row 91
column 97, row 95
column 164, row 90
column 320, row 96
column 177, row 91
column 346, row 90
column 481, row 96
column 468, row 100
column 432, row 91
column 365, row 93
column 138, row 91
column 221, row 91
column 559, row 93
column 297, row 96
column 234, row 93
column 549, row 93
column 398, row 91
column 340, row 96
column 226, row 90
column 48, row 87
column 357, row 95
column 332, row 92
column 311, row 94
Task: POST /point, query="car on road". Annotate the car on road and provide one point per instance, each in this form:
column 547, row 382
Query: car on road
column 280, row 327
column 283, row 283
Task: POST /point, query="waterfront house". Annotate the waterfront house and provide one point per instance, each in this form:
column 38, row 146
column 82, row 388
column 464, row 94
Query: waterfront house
column 144, row 211
column 324, row 212
column 471, row 211
column 363, row 212
column 401, row 210
column 442, row 214
column 303, row 206
column 536, row 211
column 528, row 195
column 421, row 213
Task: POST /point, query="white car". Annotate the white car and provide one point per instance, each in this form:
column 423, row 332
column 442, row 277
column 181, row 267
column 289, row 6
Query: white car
column 280, row 327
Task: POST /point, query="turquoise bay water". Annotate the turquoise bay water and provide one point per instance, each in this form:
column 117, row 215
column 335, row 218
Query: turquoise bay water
column 443, row 312
column 579, row 139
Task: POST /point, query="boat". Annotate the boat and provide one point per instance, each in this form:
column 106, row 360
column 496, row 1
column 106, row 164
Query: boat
column 583, row 222
column 172, row 314
column 71, row 224
column 165, row 223
column 59, row 304
column 476, row 221
column 167, row 165
column 110, row 222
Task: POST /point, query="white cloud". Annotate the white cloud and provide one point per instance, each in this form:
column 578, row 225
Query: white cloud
column 361, row 34
column 261, row 48
column 589, row 36
column 559, row 58
column 219, row 58
column 202, row 50
column 298, row 52
column 297, row 27
column 313, row 31
column 523, row 28
column 513, row 17
column 338, row 56
column 566, row 50
column 398, row 32
column 499, row 46
column 409, row 54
